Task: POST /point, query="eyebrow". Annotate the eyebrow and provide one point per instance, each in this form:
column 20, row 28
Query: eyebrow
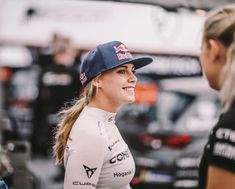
column 133, row 67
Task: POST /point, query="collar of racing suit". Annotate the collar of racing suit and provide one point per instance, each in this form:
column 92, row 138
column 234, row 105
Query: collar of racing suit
column 101, row 114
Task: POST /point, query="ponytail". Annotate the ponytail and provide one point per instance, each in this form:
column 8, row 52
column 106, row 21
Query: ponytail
column 228, row 78
column 68, row 117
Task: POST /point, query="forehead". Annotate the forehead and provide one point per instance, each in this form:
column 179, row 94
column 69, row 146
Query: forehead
column 128, row 65
column 123, row 66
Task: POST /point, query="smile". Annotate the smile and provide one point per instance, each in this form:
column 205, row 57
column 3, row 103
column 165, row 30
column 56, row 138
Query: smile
column 129, row 88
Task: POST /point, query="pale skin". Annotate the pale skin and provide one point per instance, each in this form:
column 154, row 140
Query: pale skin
column 115, row 88
column 213, row 59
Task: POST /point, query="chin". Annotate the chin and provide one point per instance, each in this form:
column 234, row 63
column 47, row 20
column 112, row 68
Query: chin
column 214, row 86
column 129, row 101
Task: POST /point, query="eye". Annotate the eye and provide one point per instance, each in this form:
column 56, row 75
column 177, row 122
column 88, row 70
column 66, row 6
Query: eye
column 133, row 71
column 122, row 71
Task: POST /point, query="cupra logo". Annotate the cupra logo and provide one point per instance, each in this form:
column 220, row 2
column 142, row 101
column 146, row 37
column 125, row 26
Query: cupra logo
column 89, row 171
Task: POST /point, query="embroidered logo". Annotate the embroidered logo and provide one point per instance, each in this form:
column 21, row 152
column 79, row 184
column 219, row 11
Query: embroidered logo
column 122, row 52
column 83, row 78
column 89, row 171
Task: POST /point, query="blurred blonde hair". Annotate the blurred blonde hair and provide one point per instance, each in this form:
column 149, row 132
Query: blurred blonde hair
column 220, row 25
column 61, row 44
column 68, row 117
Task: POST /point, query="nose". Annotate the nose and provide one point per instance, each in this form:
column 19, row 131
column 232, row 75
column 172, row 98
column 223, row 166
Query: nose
column 132, row 77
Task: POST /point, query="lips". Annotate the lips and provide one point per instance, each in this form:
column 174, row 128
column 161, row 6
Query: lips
column 129, row 88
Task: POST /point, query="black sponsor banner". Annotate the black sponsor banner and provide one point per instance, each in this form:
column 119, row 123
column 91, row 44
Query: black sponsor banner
column 172, row 66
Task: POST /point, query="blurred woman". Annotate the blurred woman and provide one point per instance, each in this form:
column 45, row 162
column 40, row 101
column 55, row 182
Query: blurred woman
column 217, row 167
column 88, row 142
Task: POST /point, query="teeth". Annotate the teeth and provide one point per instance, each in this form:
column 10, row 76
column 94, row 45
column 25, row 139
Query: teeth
column 129, row 89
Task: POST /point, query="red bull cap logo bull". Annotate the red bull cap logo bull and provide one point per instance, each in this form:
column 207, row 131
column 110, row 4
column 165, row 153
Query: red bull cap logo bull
column 83, row 77
column 122, row 52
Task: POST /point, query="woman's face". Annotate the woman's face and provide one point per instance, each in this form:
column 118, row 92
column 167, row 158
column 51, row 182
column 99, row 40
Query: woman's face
column 117, row 86
column 210, row 61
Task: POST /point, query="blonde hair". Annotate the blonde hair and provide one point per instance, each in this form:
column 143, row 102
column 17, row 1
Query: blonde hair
column 220, row 25
column 68, row 117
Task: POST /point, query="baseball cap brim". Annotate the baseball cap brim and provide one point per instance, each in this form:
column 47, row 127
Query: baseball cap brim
column 137, row 62
column 141, row 62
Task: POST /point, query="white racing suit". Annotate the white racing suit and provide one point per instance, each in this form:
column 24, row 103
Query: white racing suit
column 96, row 156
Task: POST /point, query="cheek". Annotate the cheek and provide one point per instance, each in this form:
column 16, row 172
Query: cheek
column 203, row 54
column 205, row 63
column 112, row 88
column 202, row 58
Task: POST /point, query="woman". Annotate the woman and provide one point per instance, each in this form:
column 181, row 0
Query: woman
column 88, row 142
column 217, row 167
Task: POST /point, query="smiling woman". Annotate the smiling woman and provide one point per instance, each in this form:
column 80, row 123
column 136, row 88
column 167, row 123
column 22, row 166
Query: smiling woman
column 116, row 91
column 107, row 75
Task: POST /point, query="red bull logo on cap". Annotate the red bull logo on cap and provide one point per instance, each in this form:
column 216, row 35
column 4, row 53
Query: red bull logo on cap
column 122, row 52
column 83, row 77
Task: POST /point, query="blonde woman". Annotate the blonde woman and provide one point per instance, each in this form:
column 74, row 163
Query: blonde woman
column 87, row 141
column 217, row 167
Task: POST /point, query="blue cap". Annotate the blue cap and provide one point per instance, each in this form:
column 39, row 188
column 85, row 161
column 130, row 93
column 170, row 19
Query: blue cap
column 106, row 57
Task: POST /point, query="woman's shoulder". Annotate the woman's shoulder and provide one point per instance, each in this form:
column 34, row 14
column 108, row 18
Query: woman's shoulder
column 84, row 134
column 227, row 119
column 88, row 126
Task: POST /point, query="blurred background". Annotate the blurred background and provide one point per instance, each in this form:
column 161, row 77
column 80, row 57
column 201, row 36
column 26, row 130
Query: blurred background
column 41, row 47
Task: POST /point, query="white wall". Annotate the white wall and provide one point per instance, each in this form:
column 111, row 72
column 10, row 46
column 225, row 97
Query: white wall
column 143, row 28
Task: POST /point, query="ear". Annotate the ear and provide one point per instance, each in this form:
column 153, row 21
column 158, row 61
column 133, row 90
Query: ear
column 217, row 49
column 96, row 82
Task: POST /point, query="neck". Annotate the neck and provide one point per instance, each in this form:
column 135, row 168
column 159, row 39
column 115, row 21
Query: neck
column 104, row 105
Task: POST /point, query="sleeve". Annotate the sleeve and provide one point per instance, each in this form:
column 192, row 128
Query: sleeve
column 84, row 163
column 223, row 146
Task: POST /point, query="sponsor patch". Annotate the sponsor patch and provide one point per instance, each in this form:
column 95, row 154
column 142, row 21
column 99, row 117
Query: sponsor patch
column 120, row 157
column 79, row 183
column 123, row 174
column 122, row 52
column 226, row 134
column 83, row 77
column 224, row 150
column 112, row 145
column 89, row 171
